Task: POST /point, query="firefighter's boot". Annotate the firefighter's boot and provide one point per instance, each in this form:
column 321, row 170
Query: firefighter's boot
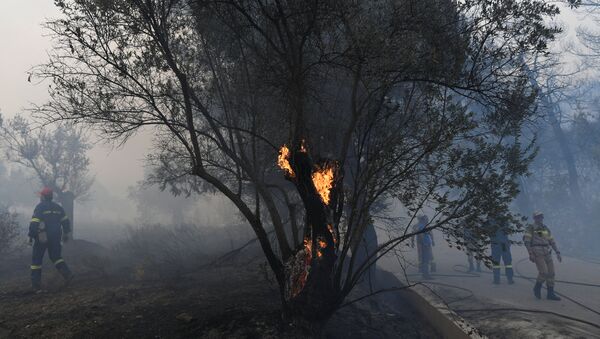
column 537, row 290
column 509, row 275
column 496, row 276
column 64, row 270
column 551, row 295
column 36, row 279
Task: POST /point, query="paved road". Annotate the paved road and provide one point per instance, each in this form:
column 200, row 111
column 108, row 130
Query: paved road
column 477, row 292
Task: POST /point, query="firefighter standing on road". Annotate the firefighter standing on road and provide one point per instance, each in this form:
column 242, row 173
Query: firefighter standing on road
column 48, row 225
column 540, row 243
column 500, row 248
column 425, row 243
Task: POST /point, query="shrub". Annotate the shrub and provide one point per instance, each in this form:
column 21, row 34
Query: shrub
column 9, row 230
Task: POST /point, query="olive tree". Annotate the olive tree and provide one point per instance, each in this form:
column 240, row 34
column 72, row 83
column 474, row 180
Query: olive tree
column 57, row 157
column 307, row 114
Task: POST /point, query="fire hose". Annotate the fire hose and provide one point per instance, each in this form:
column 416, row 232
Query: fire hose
column 518, row 275
column 495, row 309
column 502, row 309
column 560, row 294
column 531, row 279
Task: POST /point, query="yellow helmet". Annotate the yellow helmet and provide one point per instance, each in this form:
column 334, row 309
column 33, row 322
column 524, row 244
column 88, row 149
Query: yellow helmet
column 538, row 214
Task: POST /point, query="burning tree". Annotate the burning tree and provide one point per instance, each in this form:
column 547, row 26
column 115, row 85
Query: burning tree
column 355, row 102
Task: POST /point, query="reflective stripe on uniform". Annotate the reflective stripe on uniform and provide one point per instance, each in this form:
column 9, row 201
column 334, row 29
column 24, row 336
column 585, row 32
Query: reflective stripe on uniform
column 508, row 266
column 64, row 218
column 59, row 261
column 497, row 266
column 36, row 220
column 36, row 267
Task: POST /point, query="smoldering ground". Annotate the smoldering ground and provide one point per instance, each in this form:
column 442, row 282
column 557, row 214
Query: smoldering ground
column 163, row 280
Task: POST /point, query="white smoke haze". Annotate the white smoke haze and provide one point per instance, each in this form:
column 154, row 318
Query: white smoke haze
column 160, row 234
column 118, row 170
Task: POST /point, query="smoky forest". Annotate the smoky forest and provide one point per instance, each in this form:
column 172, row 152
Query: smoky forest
column 300, row 169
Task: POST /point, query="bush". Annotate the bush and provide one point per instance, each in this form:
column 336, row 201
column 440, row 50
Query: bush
column 167, row 252
column 9, row 230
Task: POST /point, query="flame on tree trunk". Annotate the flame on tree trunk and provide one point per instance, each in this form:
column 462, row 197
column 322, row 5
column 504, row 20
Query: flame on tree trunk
column 310, row 292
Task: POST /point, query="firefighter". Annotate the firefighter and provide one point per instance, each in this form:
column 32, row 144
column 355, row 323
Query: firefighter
column 425, row 242
column 540, row 243
column 500, row 248
column 49, row 224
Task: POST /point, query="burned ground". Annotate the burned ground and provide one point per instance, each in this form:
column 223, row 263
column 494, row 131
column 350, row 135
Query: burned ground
column 237, row 300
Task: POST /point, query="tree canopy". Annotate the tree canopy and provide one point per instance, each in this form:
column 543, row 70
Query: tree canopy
column 308, row 115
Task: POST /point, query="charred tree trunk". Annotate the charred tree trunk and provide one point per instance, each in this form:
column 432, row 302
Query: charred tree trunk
column 311, row 296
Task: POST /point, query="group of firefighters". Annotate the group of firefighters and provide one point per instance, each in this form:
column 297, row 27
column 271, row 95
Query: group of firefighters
column 50, row 227
column 537, row 239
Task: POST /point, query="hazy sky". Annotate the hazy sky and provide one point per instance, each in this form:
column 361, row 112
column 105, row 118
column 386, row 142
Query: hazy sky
column 23, row 44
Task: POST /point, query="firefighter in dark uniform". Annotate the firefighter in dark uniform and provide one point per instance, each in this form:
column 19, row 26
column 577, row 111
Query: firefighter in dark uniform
column 49, row 225
column 500, row 248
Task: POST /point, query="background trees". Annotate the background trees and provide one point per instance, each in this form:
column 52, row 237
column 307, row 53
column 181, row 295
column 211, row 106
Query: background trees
column 56, row 157
column 353, row 102
column 9, row 230
column 563, row 180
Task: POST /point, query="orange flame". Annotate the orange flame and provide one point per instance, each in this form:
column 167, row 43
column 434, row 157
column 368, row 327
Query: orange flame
column 283, row 160
column 322, row 178
column 322, row 244
column 303, row 147
column 308, row 245
column 300, row 280
column 330, row 228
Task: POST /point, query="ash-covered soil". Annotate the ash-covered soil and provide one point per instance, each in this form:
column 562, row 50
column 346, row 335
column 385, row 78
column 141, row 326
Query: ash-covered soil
column 234, row 301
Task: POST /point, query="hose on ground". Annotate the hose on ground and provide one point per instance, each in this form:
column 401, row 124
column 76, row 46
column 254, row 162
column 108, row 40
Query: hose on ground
column 514, row 309
column 499, row 309
column 560, row 294
column 519, row 275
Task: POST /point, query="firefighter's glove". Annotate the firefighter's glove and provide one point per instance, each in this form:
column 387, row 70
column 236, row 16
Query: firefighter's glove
column 558, row 256
column 30, row 241
column 65, row 237
column 531, row 258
